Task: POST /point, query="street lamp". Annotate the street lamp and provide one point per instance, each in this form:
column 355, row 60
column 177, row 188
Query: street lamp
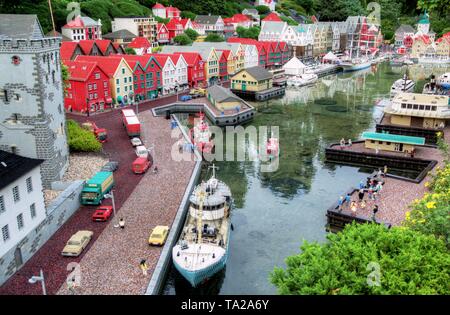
column 40, row 279
column 111, row 195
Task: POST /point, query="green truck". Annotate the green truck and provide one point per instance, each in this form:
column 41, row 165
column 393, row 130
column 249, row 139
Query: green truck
column 95, row 189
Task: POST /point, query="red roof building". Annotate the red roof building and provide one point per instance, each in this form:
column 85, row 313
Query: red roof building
column 82, row 27
column 175, row 28
column 223, row 64
column 141, row 45
column 272, row 17
column 165, row 12
column 196, row 68
column 262, row 53
column 162, row 35
column 70, row 50
column 172, row 12
column 88, row 87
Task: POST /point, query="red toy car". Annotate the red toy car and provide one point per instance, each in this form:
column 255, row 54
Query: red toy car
column 141, row 165
column 102, row 213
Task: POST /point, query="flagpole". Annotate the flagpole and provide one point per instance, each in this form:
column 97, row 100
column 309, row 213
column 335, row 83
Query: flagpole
column 51, row 15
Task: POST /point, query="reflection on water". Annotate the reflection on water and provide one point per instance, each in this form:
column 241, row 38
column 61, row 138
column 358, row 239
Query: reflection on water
column 274, row 212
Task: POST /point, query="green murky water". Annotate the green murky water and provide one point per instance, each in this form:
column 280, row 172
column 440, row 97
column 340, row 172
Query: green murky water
column 274, row 212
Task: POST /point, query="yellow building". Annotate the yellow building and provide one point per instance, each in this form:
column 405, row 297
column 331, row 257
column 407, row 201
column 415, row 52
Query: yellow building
column 419, row 47
column 223, row 99
column 391, row 142
column 254, row 79
column 419, row 110
column 443, row 48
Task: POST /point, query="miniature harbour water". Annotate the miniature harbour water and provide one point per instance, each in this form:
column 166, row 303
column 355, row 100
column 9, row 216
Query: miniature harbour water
column 274, row 212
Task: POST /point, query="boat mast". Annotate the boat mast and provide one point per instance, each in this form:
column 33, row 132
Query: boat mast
column 214, row 167
column 201, row 198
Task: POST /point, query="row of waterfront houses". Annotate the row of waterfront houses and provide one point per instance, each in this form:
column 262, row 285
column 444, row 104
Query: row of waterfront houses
column 98, row 80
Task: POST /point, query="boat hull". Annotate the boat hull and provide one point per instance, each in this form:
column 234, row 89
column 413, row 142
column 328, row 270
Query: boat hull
column 356, row 67
column 197, row 277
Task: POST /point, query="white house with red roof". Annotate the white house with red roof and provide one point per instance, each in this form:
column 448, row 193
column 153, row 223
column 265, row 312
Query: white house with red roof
column 82, row 27
column 238, row 20
column 268, row 3
column 141, row 46
column 181, row 70
column 165, row 12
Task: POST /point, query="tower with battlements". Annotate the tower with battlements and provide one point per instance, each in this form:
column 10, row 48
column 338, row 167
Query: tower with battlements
column 32, row 118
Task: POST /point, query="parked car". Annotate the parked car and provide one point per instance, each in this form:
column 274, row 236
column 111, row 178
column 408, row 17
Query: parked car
column 77, row 243
column 141, row 151
column 141, row 165
column 111, row 166
column 199, row 91
column 135, row 142
column 102, row 213
column 185, row 98
column 159, row 235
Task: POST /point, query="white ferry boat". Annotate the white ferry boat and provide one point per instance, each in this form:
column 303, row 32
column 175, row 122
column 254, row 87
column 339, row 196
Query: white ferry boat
column 355, row 64
column 302, row 80
column 402, row 85
column 202, row 248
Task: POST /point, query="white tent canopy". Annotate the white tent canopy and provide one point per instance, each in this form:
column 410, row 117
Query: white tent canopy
column 294, row 67
column 330, row 56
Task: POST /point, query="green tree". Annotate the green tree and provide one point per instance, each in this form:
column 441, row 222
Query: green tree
column 212, row 37
column 188, row 15
column 130, row 51
column 441, row 6
column 262, row 9
column 162, row 20
column 65, row 77
column 182, row 39
column 338, row 10
column 80, row 139
column 409, row 263
column 251, row 32
column 191, row 33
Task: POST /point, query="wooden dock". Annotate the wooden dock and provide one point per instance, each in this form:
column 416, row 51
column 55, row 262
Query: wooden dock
column 265, row 95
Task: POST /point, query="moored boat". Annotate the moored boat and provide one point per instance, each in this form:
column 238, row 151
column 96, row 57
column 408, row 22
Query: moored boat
column 202, row 249
column 402, row 85
column 201, row 135
column 355, row 65
column 302, row 80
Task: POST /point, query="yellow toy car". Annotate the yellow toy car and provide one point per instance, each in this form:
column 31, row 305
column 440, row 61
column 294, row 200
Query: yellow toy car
column 77, row 243
column 159, row 235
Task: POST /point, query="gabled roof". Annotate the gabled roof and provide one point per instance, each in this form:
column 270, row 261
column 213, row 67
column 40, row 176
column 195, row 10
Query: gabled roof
column 273, row 27
column 86, row 45
column 162, row 59
column 80, row 70
column 405, row 28
column 103, row 44
column 140, row 42
column 120, row 34
column 174, row 24
column 144, row 60
column 80, row 22
column 13, row 166
column 190, row 57
column 234, row 47
column 294, row 63
column 207, row 19
column 258, row 73
column 273, row 17
column 158, row 6
column 17, row 26
column 184, row 22
column 204, row 51
column 67, row 50
column 108, row 64
column 221, row 94
column 172, row 9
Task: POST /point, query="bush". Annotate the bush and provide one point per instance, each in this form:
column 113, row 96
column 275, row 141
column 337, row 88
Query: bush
column 130, row 51
column 212, row 37
column 182, row 39
column 409, row 263
column 188, row 15
column 251, row 32
column 191, row 33
column 262, row 9
column 80, row 139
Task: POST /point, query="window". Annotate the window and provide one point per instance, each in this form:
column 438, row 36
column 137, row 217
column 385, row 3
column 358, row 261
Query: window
column 95, row 86
column 117, row 81
column 29, row 185
column 126, row 88
column 20, row 221
column 97, row 75
column 89, row 87
column 135, row 78
column 433, row 108
column 123, row 70
column 415, row 106
column 124, row 80
column 118, row 90
column 2, row 204
column 105, row 84
column 421, row 107
column 5, row 233
column 16, row 194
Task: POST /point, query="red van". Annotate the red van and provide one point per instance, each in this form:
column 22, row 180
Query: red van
column 141, row 165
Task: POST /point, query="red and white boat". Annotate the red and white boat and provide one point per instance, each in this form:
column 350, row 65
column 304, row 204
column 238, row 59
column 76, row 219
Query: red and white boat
column 201, row 135
column 272, row 147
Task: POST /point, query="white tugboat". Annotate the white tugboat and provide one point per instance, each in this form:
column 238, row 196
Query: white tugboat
column 302, row 79
column 202, row 248
column 402, row 85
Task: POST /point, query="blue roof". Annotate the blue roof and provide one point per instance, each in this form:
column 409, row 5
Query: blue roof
column 393, row 138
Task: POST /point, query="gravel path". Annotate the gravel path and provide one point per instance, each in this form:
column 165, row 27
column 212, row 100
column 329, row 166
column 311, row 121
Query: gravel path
column 112, row 264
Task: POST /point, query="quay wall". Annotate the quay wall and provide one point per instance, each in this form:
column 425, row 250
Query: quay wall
column 58, row 212
column 159, row 275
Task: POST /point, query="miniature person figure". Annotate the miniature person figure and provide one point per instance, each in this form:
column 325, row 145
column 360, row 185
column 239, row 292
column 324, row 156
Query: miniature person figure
column 144, row 267
column 122, row 223
column 413, row 151
column 155, row 170
column 361, row 195
column 349, row 142
column 377, row 150
column 361, row 184
column 353, row 207
column 374, row 212
column 363, row 205
column 348, row 199
column 370, row 193
column 379, row 173
column 340, row 203
column 342, row 143
column 385, row 170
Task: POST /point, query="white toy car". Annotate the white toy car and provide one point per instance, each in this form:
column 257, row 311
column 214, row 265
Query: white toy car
column 136, row 142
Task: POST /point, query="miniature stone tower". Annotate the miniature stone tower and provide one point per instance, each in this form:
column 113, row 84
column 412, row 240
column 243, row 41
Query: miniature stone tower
column 32, row 118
